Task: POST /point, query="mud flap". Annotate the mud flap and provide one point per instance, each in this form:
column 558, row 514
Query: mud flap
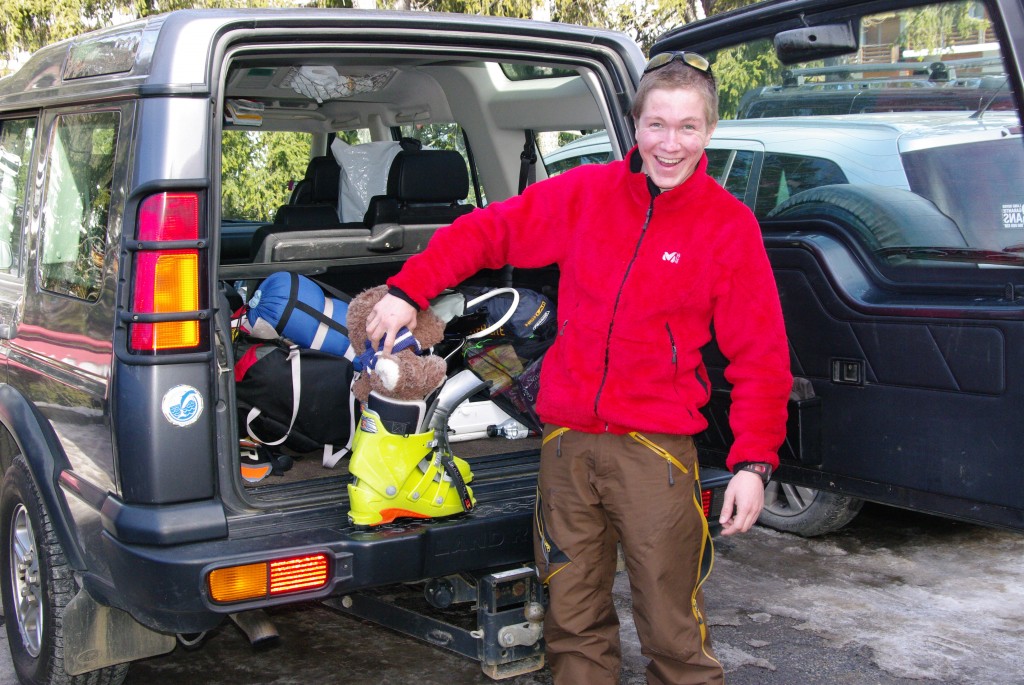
column 96, row 636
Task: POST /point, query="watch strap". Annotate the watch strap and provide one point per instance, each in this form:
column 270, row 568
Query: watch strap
column 760, row 468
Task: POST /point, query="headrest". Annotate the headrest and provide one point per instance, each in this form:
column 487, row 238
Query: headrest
column 306, row 216
column 324, row 176
column 428, row 176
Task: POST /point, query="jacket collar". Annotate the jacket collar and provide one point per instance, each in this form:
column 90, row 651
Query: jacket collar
column 643, row 189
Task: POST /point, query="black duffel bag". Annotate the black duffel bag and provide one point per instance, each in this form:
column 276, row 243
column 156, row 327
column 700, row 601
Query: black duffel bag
column 296, row 397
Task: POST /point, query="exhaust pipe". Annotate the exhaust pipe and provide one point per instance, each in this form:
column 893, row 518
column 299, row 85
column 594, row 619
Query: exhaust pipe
column 258, row 627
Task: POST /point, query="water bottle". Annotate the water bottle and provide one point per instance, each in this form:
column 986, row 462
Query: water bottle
column 511, row 429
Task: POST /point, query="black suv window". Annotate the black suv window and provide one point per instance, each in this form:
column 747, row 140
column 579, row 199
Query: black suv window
column 731, row 168
column 16, row 138
column 76, row 204
column 783, row 176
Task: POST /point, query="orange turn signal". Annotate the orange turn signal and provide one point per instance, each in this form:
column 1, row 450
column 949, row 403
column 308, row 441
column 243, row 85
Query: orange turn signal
column 268, row 578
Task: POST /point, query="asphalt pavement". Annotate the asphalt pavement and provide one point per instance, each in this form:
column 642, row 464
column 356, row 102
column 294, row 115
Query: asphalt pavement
column 894, row 599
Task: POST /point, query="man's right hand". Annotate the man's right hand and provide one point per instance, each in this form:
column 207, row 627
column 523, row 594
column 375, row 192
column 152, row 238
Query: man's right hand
column 388, row 317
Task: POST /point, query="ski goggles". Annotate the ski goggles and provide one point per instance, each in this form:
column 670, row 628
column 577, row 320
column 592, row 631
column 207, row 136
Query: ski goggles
column 690, row 59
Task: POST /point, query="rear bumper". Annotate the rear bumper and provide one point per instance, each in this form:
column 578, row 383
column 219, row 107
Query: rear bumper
column 165, row 587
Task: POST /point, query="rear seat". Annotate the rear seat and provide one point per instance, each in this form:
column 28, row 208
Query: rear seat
column 424, row 192
column 319, row 189
column 424, row 187
column 320, row 184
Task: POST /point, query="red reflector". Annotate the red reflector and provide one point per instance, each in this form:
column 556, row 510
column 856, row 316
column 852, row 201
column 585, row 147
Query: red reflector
column 169, row 216
column 166, row 281
column 705, row 501
column 299, row 573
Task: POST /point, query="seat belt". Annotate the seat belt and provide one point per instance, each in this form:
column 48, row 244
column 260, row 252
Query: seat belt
column 527, row 175
column 528, row 162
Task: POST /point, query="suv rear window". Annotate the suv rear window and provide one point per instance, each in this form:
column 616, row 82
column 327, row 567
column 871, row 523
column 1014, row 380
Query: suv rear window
column 988, row 208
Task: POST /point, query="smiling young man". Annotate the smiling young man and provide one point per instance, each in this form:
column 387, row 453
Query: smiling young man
column 651, row 252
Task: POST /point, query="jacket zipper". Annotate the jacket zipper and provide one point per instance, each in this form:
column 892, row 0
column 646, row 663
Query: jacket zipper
column 615, row 308
column 672, row 342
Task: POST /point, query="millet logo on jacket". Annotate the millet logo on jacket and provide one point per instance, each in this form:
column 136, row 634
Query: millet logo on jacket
column 671, row 257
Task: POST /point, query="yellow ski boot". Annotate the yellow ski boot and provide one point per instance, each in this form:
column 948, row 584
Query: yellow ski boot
column 403, row 474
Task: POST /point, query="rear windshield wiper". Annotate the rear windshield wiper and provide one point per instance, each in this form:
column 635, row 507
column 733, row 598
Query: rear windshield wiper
column 976, row 255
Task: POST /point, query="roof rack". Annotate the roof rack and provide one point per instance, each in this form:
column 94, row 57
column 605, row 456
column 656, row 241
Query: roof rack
column 937, row 71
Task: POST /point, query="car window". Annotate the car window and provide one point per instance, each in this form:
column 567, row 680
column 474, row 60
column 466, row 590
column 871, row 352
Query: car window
column 274, row 161
column 16, row 136
column 988, row 208
column 920, row 115
column 731, row 168
column 76, row 203
column 564, row 150
column 783, row 176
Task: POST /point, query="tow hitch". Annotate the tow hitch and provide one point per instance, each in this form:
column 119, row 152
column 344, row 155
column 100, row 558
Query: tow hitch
column 506, row 638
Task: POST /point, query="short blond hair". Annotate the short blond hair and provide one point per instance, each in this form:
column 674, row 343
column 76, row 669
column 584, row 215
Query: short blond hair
column 678, row 76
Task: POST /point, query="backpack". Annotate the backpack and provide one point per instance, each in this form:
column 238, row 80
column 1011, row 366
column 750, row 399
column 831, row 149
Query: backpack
column 292, row 396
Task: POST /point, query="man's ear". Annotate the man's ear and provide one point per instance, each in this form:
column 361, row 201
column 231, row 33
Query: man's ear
column 711, row 132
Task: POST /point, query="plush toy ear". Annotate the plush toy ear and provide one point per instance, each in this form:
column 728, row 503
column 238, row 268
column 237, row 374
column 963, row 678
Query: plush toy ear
column 388, row 373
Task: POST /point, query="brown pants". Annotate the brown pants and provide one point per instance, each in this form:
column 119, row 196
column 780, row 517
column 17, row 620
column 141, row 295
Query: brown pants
column 642, row 491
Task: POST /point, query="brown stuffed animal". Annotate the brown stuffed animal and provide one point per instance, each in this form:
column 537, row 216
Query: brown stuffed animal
column 403, row 375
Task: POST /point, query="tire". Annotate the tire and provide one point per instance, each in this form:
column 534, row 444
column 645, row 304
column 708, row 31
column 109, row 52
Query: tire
column 881, row 217
column 806, row 511
column 37, row 584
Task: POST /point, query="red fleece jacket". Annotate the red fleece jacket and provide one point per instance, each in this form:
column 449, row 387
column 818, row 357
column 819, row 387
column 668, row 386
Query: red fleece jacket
column 642, row 278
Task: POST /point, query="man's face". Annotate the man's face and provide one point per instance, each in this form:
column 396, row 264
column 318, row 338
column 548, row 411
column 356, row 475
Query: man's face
column 672, row 132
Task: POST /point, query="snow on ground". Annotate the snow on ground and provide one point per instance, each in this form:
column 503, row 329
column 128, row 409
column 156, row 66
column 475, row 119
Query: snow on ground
column 941, row 601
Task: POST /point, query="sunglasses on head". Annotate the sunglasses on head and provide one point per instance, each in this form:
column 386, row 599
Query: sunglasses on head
column 692, row 59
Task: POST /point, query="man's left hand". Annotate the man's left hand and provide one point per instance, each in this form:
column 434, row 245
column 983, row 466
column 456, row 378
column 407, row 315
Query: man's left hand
column 744, row 499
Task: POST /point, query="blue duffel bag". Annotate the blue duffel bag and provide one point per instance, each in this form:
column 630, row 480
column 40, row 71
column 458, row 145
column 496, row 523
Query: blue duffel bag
column 297, row 308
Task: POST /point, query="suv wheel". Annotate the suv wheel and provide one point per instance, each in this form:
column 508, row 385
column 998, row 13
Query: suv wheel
column 806, row 511
column 37, row 585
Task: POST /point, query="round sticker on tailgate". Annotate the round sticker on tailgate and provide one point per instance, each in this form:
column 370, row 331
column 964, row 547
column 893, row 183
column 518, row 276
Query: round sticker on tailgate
column 182, row 405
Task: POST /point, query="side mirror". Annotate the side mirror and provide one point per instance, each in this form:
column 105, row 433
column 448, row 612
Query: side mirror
column 815, row 42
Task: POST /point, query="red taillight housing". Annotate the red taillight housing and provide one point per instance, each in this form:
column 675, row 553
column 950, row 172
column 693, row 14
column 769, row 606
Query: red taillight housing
column 705, row 502
column 166, row 281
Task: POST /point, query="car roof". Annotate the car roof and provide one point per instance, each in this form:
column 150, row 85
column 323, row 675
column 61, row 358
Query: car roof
column 905, row 129
column 172, row 53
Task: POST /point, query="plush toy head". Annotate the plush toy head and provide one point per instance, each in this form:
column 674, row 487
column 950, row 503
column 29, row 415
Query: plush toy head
column 404, row 374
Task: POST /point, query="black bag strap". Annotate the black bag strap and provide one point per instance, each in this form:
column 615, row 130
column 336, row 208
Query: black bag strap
column 294, row 303
column 294, row 358
column 332, row 291
column 452, row 469
column 293, row 299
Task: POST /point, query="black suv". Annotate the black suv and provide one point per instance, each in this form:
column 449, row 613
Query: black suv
column 154, row 174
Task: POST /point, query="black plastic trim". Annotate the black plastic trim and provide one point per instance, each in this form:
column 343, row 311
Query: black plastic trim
column 163, row 524
column 46, row 460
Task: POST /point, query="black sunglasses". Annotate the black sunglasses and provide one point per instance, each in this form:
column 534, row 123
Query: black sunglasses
column 692, row 59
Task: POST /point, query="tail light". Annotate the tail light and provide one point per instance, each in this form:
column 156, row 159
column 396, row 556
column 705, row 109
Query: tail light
column 166, row 274
column 705, row 502
column 263, row 580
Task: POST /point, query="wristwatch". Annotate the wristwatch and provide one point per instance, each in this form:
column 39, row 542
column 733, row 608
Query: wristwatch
column 762, row 469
